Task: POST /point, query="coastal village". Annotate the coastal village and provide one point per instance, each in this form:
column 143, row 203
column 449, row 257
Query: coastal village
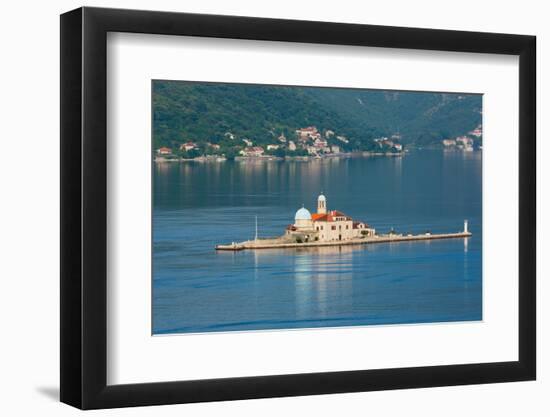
column 331, row 228
column 303, row 144
column 464, row 143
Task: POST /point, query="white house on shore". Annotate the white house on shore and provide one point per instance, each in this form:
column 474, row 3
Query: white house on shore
column 252, row 151
column 164, row 151
column 187, row 146
column 326, row 225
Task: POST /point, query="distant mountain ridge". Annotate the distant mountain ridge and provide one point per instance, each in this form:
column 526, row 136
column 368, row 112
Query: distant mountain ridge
column 420, row 118
column 216, row 112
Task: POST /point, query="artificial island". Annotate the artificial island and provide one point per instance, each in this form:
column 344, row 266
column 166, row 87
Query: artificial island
column 332, row 228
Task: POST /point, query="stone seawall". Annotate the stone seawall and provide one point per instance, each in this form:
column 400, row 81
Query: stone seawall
column 272, row 243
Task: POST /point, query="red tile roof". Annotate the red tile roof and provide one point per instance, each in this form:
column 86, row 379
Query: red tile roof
column 329, row 217
column 308, row 129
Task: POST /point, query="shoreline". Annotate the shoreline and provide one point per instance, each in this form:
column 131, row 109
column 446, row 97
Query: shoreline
column 304, row 158
column 270, row 158
column 256, row 244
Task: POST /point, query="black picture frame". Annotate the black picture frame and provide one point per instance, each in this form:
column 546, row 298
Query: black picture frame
column 84, row 207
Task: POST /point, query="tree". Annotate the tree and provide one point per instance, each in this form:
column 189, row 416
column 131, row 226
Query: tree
column 279, row 152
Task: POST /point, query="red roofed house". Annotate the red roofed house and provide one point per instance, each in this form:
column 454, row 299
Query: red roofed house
column 308, row 132
column 327, row 225
column 252, row 151
column 477, row 132
column 320, row 143
column 464, row 140
column 164, row 151
column 188, row 146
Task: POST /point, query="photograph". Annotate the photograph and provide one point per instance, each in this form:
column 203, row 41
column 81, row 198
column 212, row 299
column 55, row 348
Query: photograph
column 279, row 207
column 339, row 205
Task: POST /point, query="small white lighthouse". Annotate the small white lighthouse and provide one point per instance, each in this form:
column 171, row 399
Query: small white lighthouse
column 465, row 226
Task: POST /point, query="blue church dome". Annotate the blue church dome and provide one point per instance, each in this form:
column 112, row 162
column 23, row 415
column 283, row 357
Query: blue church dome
column 302, row 214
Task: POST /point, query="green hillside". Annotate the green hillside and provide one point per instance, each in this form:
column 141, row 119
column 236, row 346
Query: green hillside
column 421, row 118
column 217, row 112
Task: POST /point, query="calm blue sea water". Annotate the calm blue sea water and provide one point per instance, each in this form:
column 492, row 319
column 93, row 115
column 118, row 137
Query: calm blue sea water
column 196, row 289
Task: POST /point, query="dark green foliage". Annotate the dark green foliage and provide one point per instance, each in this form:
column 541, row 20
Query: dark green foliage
column 208, row 112
column 420, row 118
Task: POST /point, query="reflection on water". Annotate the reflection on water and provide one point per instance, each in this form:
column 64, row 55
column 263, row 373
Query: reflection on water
column 196, row 206
column 330, row 279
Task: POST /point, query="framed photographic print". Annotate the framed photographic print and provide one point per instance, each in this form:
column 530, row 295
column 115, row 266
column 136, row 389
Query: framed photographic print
column 257, row 208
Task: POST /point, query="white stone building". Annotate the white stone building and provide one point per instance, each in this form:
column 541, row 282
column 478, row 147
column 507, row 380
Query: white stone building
column 477, row 132
column 252, row 151
column 307, row 132
column 164, row 151
column 326, row 225
column 187, row 146
column 448, row 142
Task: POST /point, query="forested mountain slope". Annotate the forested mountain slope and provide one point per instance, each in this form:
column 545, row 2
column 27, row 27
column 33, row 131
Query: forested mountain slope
column 190, row 111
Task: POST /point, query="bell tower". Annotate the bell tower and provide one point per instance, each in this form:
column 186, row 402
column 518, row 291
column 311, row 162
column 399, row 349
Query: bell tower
column 321, row 204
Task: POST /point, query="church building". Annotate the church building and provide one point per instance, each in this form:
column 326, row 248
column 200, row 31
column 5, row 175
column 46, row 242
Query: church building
column 326, row 225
